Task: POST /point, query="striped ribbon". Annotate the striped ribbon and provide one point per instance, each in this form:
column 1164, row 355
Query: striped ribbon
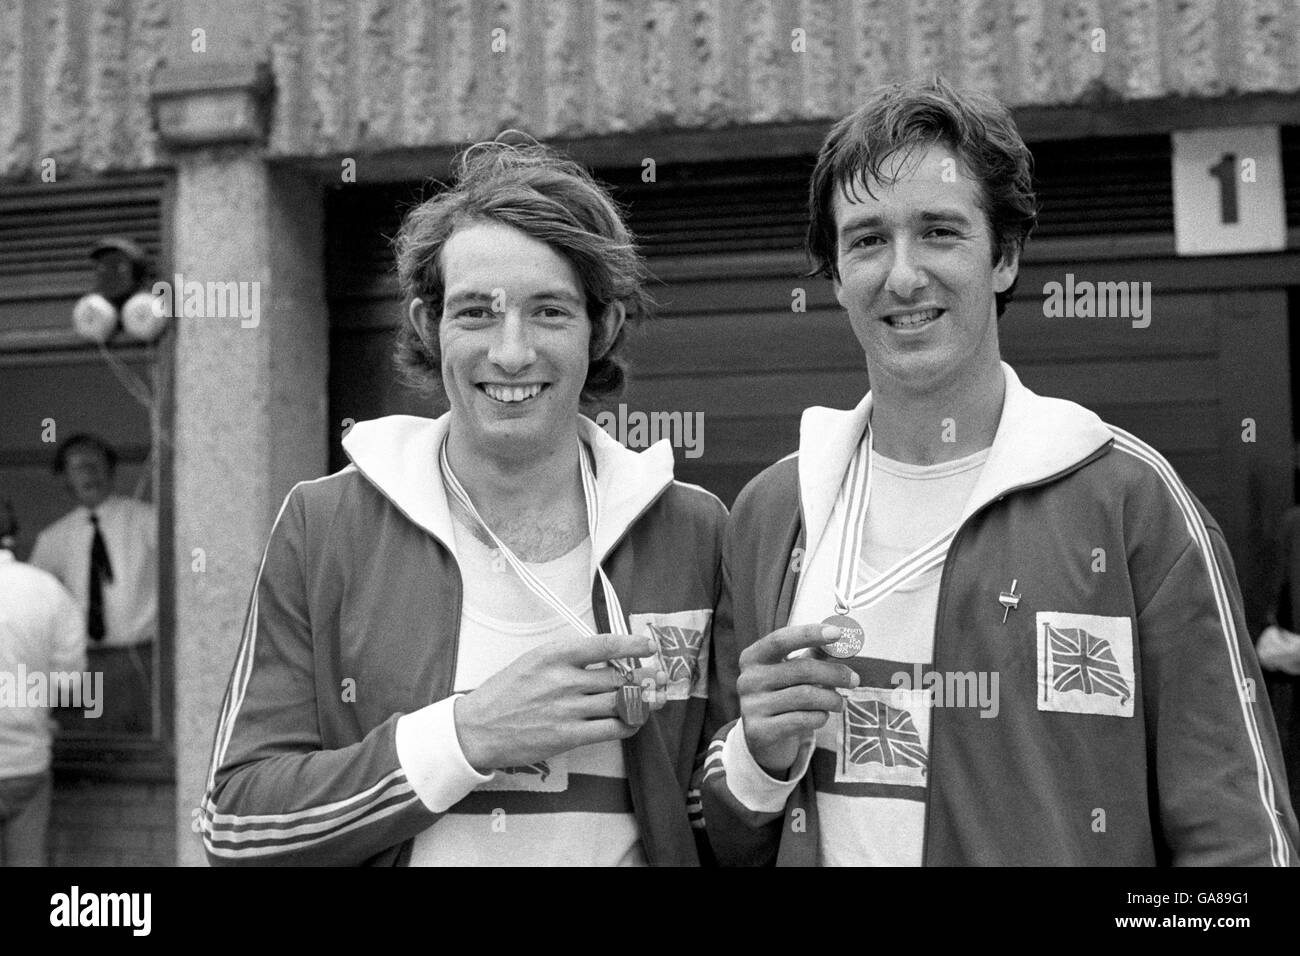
column 856, row 493
column 617, row 622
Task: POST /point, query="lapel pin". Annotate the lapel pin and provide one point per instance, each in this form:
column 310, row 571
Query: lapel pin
column 1009, row 600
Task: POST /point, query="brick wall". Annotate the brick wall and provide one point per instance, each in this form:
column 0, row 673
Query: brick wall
column 98, row 823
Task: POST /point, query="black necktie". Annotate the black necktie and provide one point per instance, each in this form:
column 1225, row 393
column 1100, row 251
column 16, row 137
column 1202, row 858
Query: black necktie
column 101, row 572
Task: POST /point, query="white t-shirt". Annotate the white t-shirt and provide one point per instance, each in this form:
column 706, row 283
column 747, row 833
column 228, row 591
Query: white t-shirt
column 572, row 810
column 42, row 633
column 870, row 764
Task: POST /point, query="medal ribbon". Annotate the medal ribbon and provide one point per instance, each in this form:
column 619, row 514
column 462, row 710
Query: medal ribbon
column 856, row 491
column 617, row 623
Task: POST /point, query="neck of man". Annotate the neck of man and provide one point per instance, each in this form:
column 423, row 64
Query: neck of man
column 91, row 503
column 927, row 426
column 533, row 503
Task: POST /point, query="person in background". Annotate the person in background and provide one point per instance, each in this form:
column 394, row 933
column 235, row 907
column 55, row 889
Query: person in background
column 42, row 632
column 1279, row 650
column 105, row 551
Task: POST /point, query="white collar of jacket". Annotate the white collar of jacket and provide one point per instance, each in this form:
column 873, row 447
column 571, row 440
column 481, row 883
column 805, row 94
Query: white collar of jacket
column 1037, row 437
column 398, row 454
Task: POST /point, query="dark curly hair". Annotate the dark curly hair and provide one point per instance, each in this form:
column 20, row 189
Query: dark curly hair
column 906, row 117
column 549, row 197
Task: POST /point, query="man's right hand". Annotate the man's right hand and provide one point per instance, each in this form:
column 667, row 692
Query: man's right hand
column 546, row 702
column 783, row 702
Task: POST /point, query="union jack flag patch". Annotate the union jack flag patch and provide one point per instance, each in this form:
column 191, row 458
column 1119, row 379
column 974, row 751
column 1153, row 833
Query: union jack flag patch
column 1085, row 664
column 683, row 639
column 883, row 737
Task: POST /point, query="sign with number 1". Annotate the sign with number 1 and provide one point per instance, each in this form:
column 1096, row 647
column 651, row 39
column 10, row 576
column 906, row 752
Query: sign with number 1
column 1228, row 191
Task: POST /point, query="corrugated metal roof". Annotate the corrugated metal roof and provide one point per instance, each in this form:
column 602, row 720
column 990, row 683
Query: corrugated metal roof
column 369, row 75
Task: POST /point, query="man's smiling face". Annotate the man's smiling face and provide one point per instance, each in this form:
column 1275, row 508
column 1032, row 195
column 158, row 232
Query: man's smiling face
column 916, row 272
column 514, row 334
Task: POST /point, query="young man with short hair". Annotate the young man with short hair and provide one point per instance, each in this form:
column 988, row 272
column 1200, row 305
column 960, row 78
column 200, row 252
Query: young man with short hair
column 922, row 660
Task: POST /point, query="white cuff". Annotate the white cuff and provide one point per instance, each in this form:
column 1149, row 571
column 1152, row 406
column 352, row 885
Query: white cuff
column 751, row 784
column 430, row 755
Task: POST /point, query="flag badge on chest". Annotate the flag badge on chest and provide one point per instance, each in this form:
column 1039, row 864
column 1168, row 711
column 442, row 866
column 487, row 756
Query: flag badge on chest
column 883, row 736
column 1085, row 664
column 683, row 639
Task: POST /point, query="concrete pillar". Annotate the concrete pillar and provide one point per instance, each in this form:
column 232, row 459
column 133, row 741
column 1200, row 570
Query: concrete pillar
column 250, row 390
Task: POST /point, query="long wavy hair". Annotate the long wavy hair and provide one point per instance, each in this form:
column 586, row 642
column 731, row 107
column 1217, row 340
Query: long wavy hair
column 536, row 190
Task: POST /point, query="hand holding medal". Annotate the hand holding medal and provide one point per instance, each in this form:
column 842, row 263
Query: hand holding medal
column 548, row 701
column 784, row 701
column 639, row 693
column 643, row 691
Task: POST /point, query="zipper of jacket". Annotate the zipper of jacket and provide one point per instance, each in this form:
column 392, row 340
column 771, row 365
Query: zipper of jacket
column 635, row 518
column 451, row 556
column 460, row 601
column 939, row 612
column 632, row 794
column 614, row 547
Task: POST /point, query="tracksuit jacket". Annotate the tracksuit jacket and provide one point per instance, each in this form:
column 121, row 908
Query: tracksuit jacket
column 1183, row 759
column 354, row 621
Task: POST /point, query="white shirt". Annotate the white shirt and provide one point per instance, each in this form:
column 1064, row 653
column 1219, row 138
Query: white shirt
column 869, row 813
column 871, row 808
column 130, row 531
column 572, row 810
column 41, row 631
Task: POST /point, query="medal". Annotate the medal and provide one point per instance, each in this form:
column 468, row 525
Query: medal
column 855, row 492
column 631, row 705
column 851, row 637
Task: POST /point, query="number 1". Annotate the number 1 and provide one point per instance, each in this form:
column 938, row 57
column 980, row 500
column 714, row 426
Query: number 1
column 1225, row 171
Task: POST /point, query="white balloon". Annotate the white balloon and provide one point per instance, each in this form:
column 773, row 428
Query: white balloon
column 145, row 316
column 94, row 317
